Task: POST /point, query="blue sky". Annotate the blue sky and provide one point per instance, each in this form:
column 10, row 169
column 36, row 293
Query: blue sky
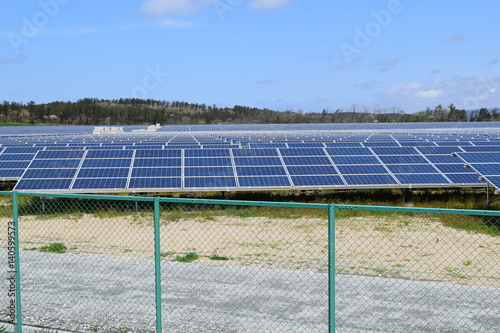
column 279, row 54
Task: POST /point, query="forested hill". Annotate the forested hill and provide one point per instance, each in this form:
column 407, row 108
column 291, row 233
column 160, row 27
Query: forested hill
column 90, row 111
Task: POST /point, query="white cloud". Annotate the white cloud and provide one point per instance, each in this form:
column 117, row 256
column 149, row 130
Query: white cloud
column 429, row 93
column 268, row 4
column 173, row 7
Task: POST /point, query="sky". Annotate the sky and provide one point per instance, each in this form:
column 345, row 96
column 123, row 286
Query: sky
column 279, row 54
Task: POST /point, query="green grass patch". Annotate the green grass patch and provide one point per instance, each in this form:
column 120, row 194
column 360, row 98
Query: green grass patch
column 54, row 248
column 216, row 257
column 187, row 258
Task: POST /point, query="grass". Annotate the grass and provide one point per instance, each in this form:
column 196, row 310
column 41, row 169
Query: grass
column 216, row 257
column 54, row 248
column 187, row 258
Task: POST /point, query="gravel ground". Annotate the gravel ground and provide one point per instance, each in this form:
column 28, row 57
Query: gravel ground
column 116, row 294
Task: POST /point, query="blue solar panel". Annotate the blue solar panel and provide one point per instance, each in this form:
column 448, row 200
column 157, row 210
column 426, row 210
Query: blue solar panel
column 16, row 157
column 109, row 154
column 323, row 180
column 411, row 168
column 261, row 171
column 103, row 173
column 312, row 170
column 207, row 153
column 208, row 171
column 369, row 180
column 302, row 152
column 389, row 159
column 243, row 161
column 495, row 181
column 381, row 144
column 106, row 163
column 276, row 181
column 355, row 160
column 54, row 164
column 209, row 182
column 158, row 162
column 11, row 173
column 59, row 154
column 255, row 152
column 14, row 165
column 157, row 153
column 452, row 168
column 482, row 149
column 100, row 183
column 421, row 179
column 487, row 169
column 444, row 159
column 361, row 169
column 480, row 157
column 21, row 150
column 348, row 151
column 305, row 144
column 156, row 172
column 217, row 161
column 395, row 151
column 139, row 183
column 310, row 160
column 438, row 150
column 49, row 173
column 464, row 178
column 43, row 184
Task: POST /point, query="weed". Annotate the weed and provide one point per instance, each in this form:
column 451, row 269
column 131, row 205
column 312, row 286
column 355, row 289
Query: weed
column 467, row 263
column 216, row 257
column 187, row 258
column 54, row 248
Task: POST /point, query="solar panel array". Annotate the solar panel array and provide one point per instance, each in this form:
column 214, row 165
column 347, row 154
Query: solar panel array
column 240, row 157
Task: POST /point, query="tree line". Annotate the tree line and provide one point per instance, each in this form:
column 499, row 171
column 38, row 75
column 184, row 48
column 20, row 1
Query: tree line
column 134, row 111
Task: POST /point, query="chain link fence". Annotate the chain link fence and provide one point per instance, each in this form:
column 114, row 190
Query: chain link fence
column 137, row 264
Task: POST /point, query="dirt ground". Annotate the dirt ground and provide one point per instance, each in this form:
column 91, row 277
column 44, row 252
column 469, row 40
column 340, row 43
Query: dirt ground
column 420, row 248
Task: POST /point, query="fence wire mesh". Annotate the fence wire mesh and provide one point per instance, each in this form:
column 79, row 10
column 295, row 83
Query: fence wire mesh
column 101, row 263
column 417, row 271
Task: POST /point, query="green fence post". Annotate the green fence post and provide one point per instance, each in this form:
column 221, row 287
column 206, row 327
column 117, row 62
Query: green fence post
column 331, row 268
column 17, row 266
column 157, row 265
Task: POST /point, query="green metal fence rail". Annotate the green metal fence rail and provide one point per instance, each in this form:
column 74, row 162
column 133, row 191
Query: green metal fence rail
column 98, row 263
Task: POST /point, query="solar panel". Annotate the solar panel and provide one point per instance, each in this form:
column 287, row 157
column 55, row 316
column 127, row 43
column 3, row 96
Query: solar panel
column 322, row 180
column 309, row 160
column 392, row 159
column 100, row 183
column 370, row 180
column 209, row 182
column 277, row 181
column 207, row 153
column 348, row 151
column 103, row 173
column 361, row 169
column 355, row 160
column 302, row 152
column 207, row 162
column 261, row 171
column 411, row 168
column 58, row 154
column 106, row 163
column 152, row 153
column 157, row 172
column 158, row 183
column 243, row 161
column 157, row 162
column 464, row 178
column 54, row 164
column 421, row 179
column 395, row 151
column 109, row 154
column 452, row 168
column 255, row 152
column 49, row 173
column 208, row 171
column 43, row 184
column 312, row 170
